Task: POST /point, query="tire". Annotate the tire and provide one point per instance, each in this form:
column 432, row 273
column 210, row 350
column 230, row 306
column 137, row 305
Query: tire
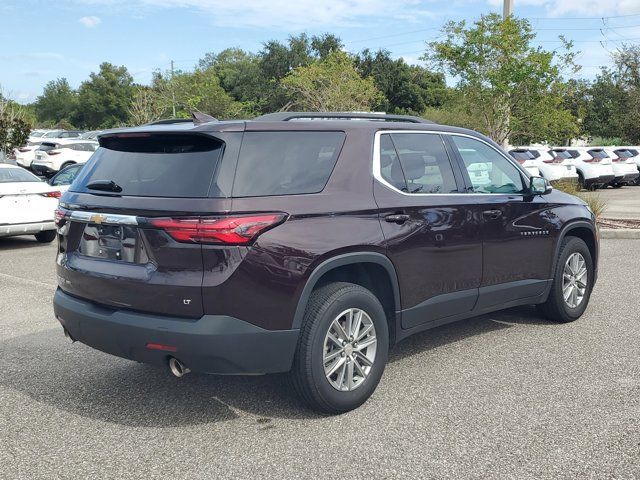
column 47, row 236
column 617, row 185
column 581, row 183
column 556, row 308
column 308, row 375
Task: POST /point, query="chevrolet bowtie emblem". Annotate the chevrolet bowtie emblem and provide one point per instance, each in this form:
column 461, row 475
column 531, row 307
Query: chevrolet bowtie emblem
column 97, row 218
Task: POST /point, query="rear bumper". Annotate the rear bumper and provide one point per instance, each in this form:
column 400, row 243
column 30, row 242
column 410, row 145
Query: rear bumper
column 40, row 169
column 212, row 344
column 601, row 180
column 26, row 228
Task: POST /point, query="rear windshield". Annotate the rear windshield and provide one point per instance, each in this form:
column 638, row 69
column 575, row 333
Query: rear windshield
column 561, row 154
column 285, row 163
column 521, row 155
column 46, row 146
column 12, row 175
column 598, row 154
column 148, row 165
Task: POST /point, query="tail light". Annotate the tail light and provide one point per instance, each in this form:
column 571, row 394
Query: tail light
column 58, row 216
column 55, row 194
column 236, row 230
column 592, row 160
column 53, row 152
column 24, row 149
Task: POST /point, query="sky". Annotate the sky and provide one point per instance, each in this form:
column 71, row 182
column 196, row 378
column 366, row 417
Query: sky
column 42, row 40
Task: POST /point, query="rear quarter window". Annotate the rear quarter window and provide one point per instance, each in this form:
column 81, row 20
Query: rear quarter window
column 285, row 163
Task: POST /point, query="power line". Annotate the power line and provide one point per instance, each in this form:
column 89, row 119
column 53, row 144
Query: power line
column 585, row 18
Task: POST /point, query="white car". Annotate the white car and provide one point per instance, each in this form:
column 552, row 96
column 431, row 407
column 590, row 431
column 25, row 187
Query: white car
column 25, row 154
column 52, row 157
column 594, row 169
column 27, row 204
column 624, row 169
column 633, row 153
column 552, row 168
column 527, row 160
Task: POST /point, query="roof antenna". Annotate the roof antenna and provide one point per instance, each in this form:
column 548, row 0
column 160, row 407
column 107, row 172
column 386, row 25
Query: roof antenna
column 199, row 118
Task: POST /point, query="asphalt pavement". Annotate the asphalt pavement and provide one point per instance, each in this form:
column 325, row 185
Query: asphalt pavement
column 507, row 395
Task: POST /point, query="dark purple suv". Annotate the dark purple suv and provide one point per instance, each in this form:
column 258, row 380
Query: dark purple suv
column 307, row 243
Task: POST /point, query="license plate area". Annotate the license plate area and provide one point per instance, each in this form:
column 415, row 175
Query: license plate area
column 112, row 242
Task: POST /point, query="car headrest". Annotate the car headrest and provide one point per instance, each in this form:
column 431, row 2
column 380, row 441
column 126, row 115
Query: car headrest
column 385, row 160
column 414, row 165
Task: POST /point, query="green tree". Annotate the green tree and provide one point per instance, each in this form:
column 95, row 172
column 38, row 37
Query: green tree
column 15, row 125
column 331, row 84
column 500, row 73
column 606, row 101
column 196, row 91
column 240, row 76
column 57, row 102
column 104, row 99
column 407, row 88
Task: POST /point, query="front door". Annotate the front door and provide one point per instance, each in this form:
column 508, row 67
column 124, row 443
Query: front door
column 517, row 228
column 431, row 227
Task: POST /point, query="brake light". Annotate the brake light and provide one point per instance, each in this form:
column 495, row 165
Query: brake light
column 53, row 152
column 58, row 216
column 238, row 230
column 55, row 194
column 24, row 149
column 592, row 160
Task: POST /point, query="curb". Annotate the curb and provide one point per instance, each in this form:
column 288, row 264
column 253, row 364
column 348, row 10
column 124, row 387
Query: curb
column 621, row 233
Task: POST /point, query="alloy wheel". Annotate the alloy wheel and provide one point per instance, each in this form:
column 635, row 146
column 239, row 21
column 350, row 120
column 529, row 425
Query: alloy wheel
column 574, row 280
column 349, row 349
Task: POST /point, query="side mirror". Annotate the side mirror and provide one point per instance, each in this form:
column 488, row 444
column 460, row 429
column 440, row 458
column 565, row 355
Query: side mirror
column 539, row 186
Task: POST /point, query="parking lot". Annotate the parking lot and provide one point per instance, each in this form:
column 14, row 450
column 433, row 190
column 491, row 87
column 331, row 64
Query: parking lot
column 508, row 395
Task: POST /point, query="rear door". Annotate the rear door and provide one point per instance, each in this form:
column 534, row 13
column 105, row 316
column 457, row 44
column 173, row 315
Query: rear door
column 430, row 226
column 517, row 229
column 128, row 221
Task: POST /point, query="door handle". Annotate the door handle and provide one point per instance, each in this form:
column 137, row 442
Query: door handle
column 398, row 218
column 492, row 214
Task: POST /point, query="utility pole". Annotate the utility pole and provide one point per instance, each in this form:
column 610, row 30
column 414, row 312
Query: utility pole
column 507, row 10
column 173, row 94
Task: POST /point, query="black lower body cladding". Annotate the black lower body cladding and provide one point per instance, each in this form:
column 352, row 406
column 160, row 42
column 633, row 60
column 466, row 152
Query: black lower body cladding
column 212, row 344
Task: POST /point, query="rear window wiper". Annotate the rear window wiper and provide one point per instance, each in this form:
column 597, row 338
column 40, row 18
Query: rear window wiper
column 105, row 186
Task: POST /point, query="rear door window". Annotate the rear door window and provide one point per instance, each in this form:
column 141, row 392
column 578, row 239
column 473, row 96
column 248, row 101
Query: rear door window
column 151, row 165
column 425, row 163
column 285, row 163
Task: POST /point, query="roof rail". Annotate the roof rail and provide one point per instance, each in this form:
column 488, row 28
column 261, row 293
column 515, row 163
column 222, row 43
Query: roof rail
column 383, row 117
column 170, row 121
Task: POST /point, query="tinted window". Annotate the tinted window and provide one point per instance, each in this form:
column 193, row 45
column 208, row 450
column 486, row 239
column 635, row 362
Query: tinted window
column 11, row 175
column 390, row 168
column 285, row 163
column 489, row 171
column 521, row 155
column 598, row 154
column 154, row 165
column 66, row 176
column 425, row 163
column 560, row 154
column 46, row 146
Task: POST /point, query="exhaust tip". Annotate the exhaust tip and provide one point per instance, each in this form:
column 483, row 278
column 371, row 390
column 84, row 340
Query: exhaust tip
column 177, row 368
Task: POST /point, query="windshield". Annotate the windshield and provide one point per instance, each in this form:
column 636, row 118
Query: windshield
column 598, row 154
column 14, row 175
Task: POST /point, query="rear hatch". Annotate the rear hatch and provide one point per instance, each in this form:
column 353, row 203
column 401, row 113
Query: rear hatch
column 129, row 226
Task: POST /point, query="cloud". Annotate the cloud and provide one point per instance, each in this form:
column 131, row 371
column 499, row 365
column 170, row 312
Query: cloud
column 290, row 14
column 587, row 8
column 91, row 21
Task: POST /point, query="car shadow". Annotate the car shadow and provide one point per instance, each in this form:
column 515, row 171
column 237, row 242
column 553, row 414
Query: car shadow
column 85, row 382
column 15, row 243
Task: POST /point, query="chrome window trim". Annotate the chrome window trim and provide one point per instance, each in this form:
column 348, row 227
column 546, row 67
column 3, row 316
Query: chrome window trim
column 103, row 218
column 377, row 169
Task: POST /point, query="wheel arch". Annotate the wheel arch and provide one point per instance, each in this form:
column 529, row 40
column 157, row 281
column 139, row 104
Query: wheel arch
column 371, row 270
column 584, row 230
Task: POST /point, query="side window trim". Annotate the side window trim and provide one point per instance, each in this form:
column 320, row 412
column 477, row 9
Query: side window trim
column 377, row 174
column 376, row 162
